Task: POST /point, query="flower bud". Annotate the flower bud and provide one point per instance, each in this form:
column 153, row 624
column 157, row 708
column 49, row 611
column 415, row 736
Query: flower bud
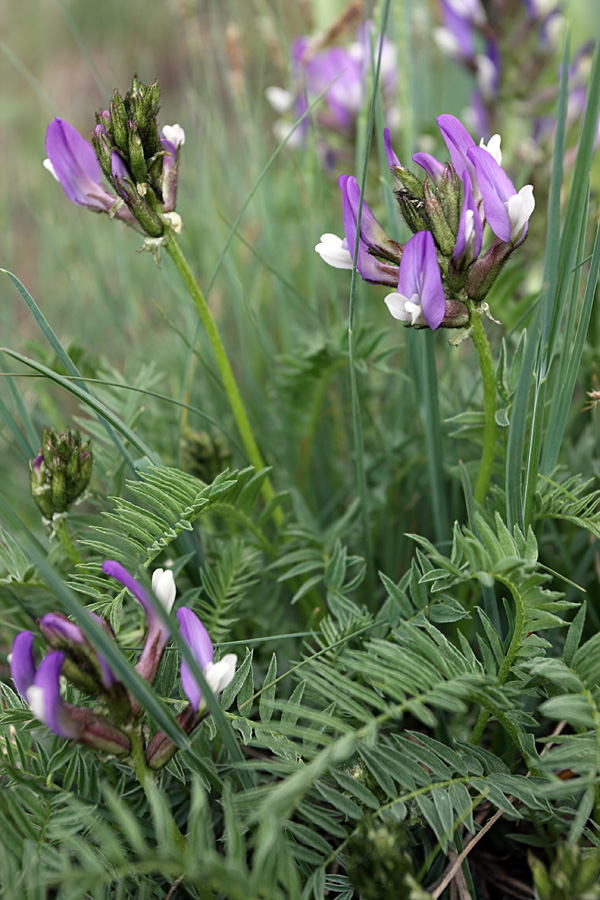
column 440, row 229
column 119, row 121
column 410, row 183
column 486, row 269
column 413, row 211
column 97, row 732
column 449, row 193
column 161, row 748
column 203, row 455
column 137, row 163
column 61, row 471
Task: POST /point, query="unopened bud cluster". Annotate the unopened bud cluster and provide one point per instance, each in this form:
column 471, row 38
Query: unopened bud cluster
column 61, row 471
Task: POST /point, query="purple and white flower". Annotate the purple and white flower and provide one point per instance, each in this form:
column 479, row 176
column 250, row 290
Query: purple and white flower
column 420, row 298
column 164, row 589
column 41, row 687
column 507, row 210
column 373, row 241
column 218, row 675
column 73, row 162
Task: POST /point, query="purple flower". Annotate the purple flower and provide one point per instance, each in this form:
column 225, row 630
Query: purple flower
column 74, row 164
column 197, row 639
column 507, row 212
column 45, row 701
column 372, row 236
column 470, row 231
column 340, row 75
column 459, row 142
column 373, row 241
column 41, row 687
column 420, row 297
column 59, row 631
column 36, row 464
column 172, row 137
column 164, row 589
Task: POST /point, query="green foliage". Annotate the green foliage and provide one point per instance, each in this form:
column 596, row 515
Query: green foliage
column 409, row 669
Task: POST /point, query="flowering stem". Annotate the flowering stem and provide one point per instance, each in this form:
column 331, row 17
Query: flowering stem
column 146, row 779
column 62, row 532
column 488, row 379
column 227, row 376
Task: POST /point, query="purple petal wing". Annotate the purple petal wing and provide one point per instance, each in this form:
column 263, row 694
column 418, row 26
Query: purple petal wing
column 496, row 189
column 22, row 667
column 347, row 216
column 76, row 166
column 198, row 640
column 432, row 166
column 458, row 141
column 52, row 709
column 392, row 159
column 411, row 266
column 433, row 299
column 108, row 676
column 116, row 570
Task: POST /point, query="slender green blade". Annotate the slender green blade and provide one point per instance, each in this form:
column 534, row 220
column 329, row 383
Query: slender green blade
column 89, row 400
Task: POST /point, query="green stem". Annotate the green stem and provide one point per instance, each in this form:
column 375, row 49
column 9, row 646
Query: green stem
column 488, row 378
column 227, row 376
column 146, row 778
column 62, row 532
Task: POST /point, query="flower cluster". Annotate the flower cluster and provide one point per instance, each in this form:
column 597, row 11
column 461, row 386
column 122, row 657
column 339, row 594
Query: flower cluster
column 108, row 726
column 442, row 266
column 342, row 73
column 139, row 162
column 60, row 472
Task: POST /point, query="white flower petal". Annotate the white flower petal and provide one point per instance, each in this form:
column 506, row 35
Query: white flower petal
column 163, row 585
column 174, row 134
column 219, row 675
column 520, row 207
column 486, row 76
column 284, row 131
column 493, row 147
column 35, row 698
column 405, row 309
column 332, row 251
